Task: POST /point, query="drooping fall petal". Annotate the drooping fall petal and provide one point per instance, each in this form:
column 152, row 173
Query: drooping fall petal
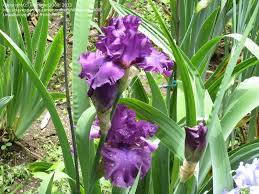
column 121, row 165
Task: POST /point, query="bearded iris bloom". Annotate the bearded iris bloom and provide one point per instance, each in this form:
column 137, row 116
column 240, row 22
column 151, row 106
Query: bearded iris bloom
column 121, row 47
column 246, row 178
column 127, row 148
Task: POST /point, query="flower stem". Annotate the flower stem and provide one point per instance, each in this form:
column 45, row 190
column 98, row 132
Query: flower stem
column 77, row 191
column 98, row 151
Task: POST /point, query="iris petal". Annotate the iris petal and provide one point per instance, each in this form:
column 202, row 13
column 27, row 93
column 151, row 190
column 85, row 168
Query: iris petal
column 91, row 63
column 122, row 165
column 123, row 42
column 125, row 129
column 108, row 73
column 157, row 62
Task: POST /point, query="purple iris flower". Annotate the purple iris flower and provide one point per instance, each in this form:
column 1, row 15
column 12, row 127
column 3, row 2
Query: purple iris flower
column 127, row 148
column 121, row 47
column 195, row 142
column 102, row 76
column 246, row 178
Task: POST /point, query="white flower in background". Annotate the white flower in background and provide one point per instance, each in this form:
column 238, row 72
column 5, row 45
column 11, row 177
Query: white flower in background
column 246, row 178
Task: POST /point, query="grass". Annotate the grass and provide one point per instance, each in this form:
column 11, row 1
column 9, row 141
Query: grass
column 11, row 177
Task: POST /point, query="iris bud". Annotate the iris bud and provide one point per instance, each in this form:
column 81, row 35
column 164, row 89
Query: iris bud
column 195, row 143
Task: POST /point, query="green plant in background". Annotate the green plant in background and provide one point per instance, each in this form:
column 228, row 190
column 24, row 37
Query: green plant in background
column 34, row 97
column 9, row 176
column 26, row 104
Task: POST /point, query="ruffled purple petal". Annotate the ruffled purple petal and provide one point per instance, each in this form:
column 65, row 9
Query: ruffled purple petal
column 90, row 63
column 246, row 178
column 137, row 46
column 108, row 73
column 148, row 129
column 247, row 175
column 126, row 22
column 157, row 62
column 233, row 191
column 122, row 164
column 126, row 129
column 122, row 41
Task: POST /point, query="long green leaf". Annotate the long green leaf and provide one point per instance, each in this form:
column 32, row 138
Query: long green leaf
column 25, row 26
column 133, row 189
column 35, row 4
column 86, row 150
column 249, row 44
column 189, row 96
column 53, row 58
column 242, row 101
column 46, row 185
column 221, row 167
column 4, row 101
column 157, row 97
column 214, row 82
column 82, row 22
column 201, row 54
column 245, row 153
column 116, row 190
column 206, row 29
column 137, row 90
column 41, row 47
column 161, row 158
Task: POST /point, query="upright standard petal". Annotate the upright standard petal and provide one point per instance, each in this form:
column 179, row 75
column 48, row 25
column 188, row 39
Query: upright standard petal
column 121, row 165
column 157, row 62
column 122, row 41
column 126, row 22
column 136, row 47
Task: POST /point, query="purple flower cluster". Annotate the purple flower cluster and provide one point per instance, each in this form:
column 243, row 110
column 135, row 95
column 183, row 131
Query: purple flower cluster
column 121, row 47
column 127, row 148
column 195, row 142
column 246, row 178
